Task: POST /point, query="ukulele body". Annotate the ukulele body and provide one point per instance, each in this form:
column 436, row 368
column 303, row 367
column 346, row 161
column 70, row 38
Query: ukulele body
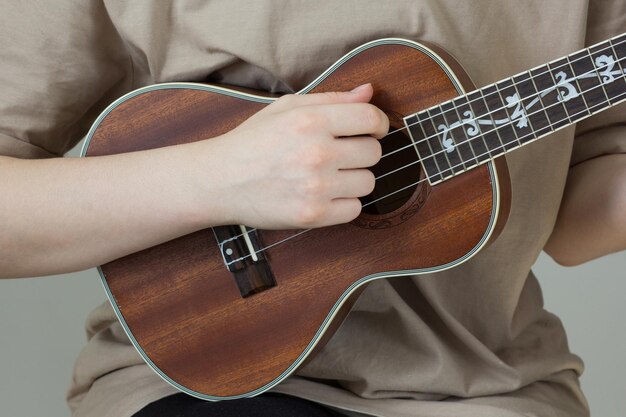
column 180, row 304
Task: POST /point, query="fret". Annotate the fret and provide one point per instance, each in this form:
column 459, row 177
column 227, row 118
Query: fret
column 485, row 122
column 589, row 81
column 448, row 138
column 477, row 142
column 458, row 131
column 423, row 149
column 559, row 98
column 605, row 58
column 619, row 48
column 444, row 144
column 469, row 134
column 520, row 112
column 434, row 145
column 532, row 105
column 514, row 110
column 500, row 118
column 443, row 167
column 567, row 90
column 583, row 113
column 555, row 109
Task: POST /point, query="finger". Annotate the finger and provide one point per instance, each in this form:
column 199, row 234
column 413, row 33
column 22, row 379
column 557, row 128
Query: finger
column 361, row 94
column 342, row 210
column 357, row 152
column 354, row 119
column 352, row 183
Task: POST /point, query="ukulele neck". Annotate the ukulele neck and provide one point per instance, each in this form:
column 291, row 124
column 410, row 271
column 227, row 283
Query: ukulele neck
column 475, row 128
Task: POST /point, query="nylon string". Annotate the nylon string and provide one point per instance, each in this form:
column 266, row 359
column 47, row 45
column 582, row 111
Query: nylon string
column 390, row 194
column 467, row 121
column 476, row 118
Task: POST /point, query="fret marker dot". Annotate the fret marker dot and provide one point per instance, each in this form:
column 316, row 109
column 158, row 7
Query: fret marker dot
column 229, row 251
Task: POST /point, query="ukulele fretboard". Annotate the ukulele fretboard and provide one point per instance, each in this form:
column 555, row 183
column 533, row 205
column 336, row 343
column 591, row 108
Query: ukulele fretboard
column 472, row 129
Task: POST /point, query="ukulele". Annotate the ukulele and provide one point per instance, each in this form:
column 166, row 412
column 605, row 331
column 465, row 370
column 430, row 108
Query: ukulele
column 230, row 311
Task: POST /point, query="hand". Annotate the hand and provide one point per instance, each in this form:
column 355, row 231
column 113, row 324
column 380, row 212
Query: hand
column 301, row 162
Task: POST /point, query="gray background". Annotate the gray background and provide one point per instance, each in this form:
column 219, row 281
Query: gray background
column 41, row 332
column 41, row 325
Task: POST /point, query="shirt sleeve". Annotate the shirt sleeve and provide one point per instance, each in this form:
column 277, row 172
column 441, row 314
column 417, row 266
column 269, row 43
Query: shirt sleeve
column 61, row 63
column 603, row 133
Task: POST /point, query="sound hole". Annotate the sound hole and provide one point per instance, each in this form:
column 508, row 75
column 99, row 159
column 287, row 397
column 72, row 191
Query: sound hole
column 386, row 197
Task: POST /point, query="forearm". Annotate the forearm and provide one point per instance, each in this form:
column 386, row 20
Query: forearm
column 284, row 168
column 67, row 214
column 592, row 217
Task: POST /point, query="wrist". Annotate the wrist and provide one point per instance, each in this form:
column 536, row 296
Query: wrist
column 208, row 176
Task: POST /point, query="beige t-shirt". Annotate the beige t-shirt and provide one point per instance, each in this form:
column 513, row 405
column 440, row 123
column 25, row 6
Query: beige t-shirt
column 471, row 341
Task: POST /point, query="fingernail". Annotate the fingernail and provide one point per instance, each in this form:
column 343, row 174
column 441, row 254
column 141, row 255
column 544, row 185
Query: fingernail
column 360, row 88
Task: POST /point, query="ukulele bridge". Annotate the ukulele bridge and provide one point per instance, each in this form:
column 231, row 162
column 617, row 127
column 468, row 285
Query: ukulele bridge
column 243, row 257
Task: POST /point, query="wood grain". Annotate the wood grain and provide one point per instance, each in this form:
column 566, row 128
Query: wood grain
column 183, row 306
